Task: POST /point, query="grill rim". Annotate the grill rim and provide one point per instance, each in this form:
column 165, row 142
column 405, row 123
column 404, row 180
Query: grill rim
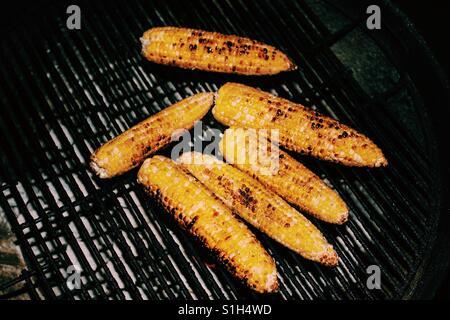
column 435, row 265
column 430, row 278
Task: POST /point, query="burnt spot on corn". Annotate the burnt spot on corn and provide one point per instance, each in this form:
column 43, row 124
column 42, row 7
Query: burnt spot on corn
column 343, row 135
column 191, row 223
column 225, row 182
column 192, row 47
column 246, row 198
column 278, row 114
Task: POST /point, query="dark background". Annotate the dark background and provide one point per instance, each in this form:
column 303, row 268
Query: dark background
column 431, row 20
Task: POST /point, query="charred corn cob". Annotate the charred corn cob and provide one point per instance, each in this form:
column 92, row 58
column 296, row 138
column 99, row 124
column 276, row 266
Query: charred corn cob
column 282, row 174
column 130, row 148
column 211, row 51
column 208, row 219
column 259, row 206
column 300, row 129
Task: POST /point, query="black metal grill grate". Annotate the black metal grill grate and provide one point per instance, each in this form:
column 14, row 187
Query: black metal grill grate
column 66, row 92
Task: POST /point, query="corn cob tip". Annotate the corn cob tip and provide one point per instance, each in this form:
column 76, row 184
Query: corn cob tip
column 292, row 66
column 141, row 178
column 343, row 217
column 381, row 161
column 330, row 258
column 272, row 282
column 144, row 42
column 99, row 171
column 372, row 157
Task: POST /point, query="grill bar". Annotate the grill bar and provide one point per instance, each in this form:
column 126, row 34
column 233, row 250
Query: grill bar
column 49, row 197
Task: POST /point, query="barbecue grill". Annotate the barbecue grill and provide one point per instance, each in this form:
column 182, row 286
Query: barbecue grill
column 65, row 92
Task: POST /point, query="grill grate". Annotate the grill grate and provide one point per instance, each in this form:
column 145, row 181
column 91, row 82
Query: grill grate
column 66, row 92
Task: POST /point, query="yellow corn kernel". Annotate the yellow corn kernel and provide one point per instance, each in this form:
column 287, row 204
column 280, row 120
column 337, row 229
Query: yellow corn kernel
column 282, row 174
column 130, row 148
column 260, row 207
column 300, row 129
column 203, row 215
column 211, row 51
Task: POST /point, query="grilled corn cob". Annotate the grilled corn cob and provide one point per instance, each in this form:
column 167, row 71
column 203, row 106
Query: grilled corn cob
column 259, row 206
column 211, row 51
column 208, row 219
column 130, row 148
column 288, row 178
column 300, row 129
